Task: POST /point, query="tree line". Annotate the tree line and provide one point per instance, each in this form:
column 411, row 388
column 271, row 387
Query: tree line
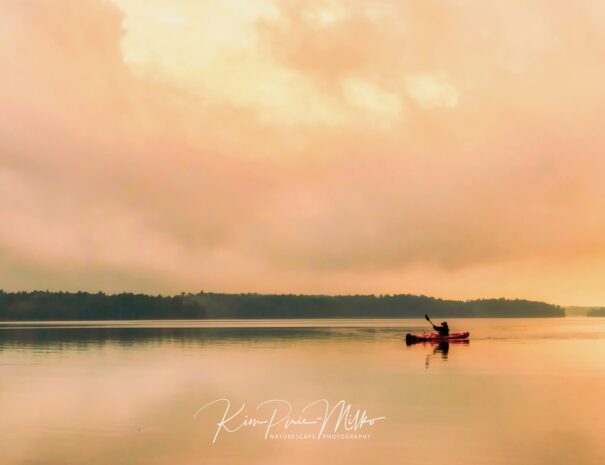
column 597, row 312
column 45, row 305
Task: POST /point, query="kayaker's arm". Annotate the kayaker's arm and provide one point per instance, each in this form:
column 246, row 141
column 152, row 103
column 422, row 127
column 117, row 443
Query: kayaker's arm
column 443, row 330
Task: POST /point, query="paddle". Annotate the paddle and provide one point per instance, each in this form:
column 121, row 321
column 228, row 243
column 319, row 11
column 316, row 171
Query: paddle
column 428, row 319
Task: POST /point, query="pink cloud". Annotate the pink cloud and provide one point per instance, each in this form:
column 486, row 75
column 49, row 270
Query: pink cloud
column 115, row 169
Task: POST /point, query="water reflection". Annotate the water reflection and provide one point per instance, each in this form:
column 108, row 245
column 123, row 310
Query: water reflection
column 89, row 338
column 523, row 392
column 443, row 349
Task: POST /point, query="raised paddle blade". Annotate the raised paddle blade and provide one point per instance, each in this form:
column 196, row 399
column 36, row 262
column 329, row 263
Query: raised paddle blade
column 427, row 317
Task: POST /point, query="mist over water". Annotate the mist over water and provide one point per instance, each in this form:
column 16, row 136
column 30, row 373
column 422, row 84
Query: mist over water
column 522, row 391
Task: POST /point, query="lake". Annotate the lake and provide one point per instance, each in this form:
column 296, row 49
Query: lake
column 522, row 391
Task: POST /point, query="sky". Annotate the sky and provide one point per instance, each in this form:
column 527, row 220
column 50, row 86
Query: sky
column 452, row 148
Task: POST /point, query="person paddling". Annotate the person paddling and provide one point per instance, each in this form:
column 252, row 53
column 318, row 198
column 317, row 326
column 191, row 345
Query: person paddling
column 443, row 335
column 443, row 329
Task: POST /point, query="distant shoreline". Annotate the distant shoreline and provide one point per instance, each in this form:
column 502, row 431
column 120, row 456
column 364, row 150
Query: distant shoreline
column 83, row 306
column 80, row 323
column 597, row 312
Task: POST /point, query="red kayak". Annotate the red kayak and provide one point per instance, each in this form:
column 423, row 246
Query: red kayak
column 426, row 337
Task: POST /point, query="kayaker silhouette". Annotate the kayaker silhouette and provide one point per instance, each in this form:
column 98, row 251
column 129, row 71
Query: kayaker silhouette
column 443, row 330
column 443, row 334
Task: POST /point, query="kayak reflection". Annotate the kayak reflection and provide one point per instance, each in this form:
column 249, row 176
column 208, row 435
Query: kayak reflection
column 439, row 348
column 443, row 348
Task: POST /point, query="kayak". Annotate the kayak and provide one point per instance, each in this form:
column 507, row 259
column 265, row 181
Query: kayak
column 414, row 338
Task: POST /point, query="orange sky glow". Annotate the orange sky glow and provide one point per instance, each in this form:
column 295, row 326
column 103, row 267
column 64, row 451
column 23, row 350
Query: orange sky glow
column 447, row 147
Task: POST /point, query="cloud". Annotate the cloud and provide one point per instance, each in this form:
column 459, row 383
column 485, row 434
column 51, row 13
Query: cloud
column 303, row 146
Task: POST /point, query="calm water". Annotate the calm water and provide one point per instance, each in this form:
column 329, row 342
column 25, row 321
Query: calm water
column 521, row 392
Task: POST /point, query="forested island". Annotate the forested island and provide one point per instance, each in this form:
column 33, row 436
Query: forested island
column 44, row 305
column 597, row 312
